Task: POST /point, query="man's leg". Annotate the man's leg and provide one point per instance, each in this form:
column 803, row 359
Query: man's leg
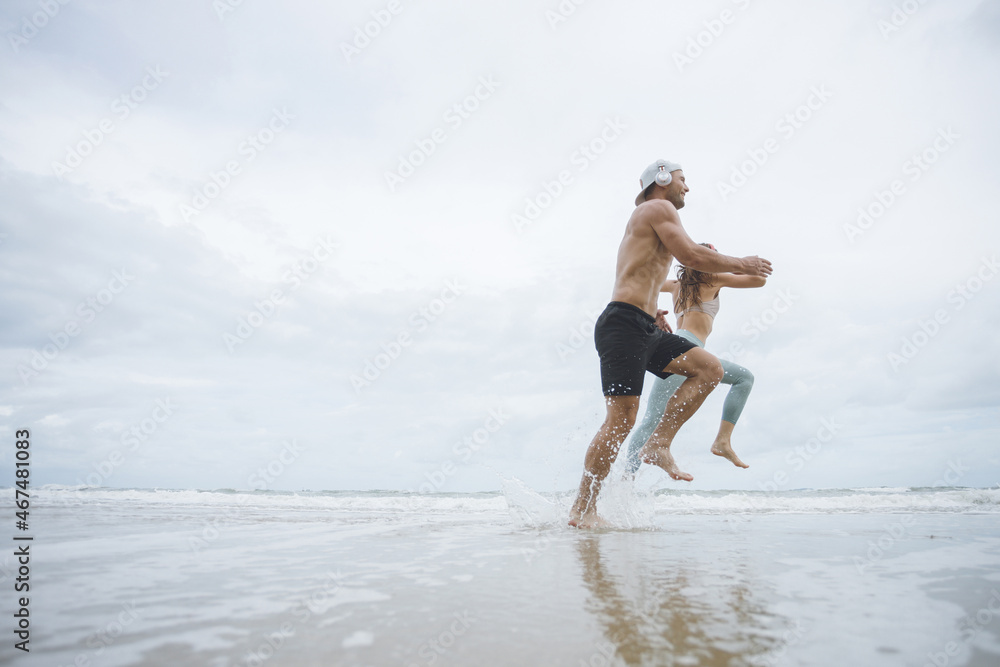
column 703, row 372
column 601, row 453
column 742, row 382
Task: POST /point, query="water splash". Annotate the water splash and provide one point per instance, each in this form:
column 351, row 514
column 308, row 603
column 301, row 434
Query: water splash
column 530, row 509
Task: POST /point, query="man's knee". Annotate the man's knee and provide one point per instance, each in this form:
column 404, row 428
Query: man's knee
column 747, row 379
column 712, row 371
column 626, row 417
column 622, row 414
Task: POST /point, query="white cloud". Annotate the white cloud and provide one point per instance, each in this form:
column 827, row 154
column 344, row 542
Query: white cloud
column 524, row 294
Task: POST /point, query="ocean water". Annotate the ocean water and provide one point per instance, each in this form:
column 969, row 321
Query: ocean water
column 225, row 578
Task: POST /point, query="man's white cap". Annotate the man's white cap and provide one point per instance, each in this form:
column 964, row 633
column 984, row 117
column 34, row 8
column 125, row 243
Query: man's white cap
column 649, row 176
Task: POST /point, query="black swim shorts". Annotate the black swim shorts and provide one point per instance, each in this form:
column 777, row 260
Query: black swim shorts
column 629, row 344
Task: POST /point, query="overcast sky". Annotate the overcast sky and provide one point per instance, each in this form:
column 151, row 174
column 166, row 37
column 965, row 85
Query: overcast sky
column 309, row 245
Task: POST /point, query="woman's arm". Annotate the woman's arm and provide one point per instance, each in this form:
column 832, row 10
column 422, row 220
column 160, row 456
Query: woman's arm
column 734, row 280
column 668, row 285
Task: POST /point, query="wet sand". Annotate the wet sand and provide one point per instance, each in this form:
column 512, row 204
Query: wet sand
column 154, row 580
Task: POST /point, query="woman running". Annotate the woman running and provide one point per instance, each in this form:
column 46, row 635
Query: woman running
column 696, row 302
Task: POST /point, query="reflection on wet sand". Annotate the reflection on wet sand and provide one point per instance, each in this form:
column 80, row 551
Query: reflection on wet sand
column 660, row 615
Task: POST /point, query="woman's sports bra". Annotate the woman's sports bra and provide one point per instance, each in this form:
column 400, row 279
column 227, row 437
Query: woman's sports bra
column 710, row 308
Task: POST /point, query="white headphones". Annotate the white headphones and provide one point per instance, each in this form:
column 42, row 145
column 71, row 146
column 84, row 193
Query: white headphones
column 663, row 176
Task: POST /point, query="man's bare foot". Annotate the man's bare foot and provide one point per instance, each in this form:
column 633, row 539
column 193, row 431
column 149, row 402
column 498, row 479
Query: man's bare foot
column 664, row 459
column 588, row 521
column 724, row 449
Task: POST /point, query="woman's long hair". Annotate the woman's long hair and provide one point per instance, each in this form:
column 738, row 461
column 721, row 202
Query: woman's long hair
column 691, row 282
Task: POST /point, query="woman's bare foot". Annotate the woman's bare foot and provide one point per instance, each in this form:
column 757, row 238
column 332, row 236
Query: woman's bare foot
column 724, row 449
column 664, row 459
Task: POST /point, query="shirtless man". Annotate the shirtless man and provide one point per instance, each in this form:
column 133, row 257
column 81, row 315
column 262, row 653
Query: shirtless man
column 630, row 343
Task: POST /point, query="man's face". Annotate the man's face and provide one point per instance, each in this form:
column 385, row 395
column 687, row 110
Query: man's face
column 677, row 189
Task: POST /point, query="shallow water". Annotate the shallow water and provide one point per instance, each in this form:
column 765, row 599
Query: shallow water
column 845, row 577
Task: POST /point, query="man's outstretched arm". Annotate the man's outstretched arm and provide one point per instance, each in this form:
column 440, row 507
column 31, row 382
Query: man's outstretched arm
column 666, row 223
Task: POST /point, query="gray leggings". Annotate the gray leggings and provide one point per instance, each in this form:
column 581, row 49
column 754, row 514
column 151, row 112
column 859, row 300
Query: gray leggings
column 740, row 379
